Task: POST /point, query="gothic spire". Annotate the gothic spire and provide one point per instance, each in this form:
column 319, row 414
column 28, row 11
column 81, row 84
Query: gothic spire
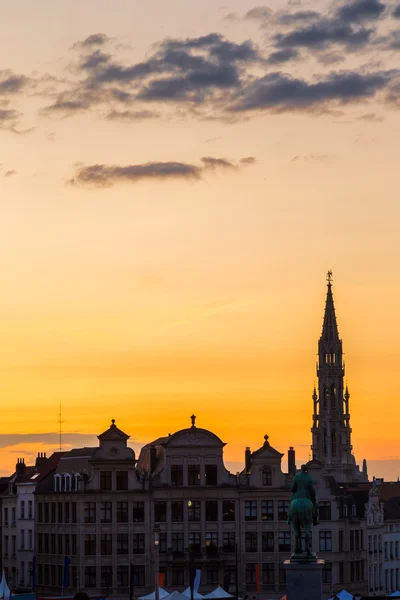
column 330, row 332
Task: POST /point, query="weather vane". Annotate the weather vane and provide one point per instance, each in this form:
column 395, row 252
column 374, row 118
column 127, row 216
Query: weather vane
column 329, row 276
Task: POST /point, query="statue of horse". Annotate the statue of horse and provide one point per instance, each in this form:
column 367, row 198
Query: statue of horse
column 303, row 511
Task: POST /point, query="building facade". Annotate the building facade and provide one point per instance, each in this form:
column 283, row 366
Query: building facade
column 18, row 520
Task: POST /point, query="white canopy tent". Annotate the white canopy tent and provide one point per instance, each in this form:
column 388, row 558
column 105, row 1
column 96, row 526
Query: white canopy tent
column 161, row 594
column 196, row 595
column 4, row 589
column 219, row 592
column 175, row 596
column 344, row 595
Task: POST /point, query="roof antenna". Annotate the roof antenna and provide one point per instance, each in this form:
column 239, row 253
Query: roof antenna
column 60, row 422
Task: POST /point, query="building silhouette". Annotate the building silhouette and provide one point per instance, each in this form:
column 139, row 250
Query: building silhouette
column 98, row 511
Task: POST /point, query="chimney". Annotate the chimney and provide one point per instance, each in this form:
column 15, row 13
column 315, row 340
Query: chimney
column 40, row 459
column 291, row 461
column 153, row 458
column 247, row 460
column 20, row 467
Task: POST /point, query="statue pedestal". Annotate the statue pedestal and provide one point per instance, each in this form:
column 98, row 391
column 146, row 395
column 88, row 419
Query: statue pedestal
column 304, row 579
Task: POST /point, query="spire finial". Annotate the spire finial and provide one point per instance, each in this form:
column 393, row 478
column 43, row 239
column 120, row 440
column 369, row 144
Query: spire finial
column 329, row 277
column 193, row 418
column 112, row 422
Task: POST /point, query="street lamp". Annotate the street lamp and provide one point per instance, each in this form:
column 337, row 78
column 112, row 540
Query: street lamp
column 156, row 532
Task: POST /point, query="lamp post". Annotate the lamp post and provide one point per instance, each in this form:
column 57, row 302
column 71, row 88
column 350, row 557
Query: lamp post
column 156, row 532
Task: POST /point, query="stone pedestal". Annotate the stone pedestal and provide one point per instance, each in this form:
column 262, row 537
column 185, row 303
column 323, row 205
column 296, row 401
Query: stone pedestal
column 304, row 579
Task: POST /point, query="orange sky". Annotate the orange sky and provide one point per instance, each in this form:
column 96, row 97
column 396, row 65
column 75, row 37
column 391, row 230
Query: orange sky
column 151, row 299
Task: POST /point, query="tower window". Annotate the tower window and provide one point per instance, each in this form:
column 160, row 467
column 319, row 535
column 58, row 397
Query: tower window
column 334, row 442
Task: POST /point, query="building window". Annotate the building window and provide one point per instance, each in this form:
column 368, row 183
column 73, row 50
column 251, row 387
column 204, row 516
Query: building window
column 60, row 544
column 267, row 510
column 212, row 575
column 22, row 539
column 90, row 544
column 194, row 475
column 53, row 512
column 327, row 572
column 177, row 475
column 160, row 511
column 106, row 480
column 250, row 573
column 22, row 509
column 266, row 476
column 341, row 572
column 177, row 576
column 138, row 512
column 53, row 544
column 282, row 574
column 73, row 544
column 251, row 541
column 66, row 511
column 67, row 546
column 122, row 512
column 268, row 541
column 90, row 512
column 122, row 480
column 139, row 574
column 250, row 510
column 268, row 573
column 229, row 576
column 22, row 572
column 122, row 576
column 106, row 544
column 106, row 576
column 351, row 540
column 194, row 510
column 90, row 577
column 229, row 541
column 6, row 514
column 283, row 508
column 30, row 509
column 324, row 510
column 341, row 540
column 284, row 541
column 195, row 542
column 177, row 511
column 14, row 544
column 177, row 542
column 46, row 513
column 122, row 543
column 212, row 543
column 30, row 539
column 138, row 543
column 211, row 510
column 105, row 512
column 162, row 548
column 325, row 541
column 228, row 510
column 60, row 516
column 211, row 475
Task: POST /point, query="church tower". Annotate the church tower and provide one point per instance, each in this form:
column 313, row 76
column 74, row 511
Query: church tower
column 331, row 431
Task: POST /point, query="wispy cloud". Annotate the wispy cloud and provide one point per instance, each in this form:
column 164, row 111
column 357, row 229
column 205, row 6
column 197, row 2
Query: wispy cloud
column 108, row 175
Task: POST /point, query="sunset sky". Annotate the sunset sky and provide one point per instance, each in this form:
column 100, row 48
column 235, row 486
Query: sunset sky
column 176, row 178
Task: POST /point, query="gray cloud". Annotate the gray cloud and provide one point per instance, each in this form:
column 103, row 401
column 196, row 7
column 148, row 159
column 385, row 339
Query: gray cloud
column 279, row 92
column 371, row 117
column 132, row 116
column 324, row 33
column 357, row 11
column 259, row 13
column 282, row 56
column 11, row 83
column 396, row 12
column 108, row 175
column 300, row 16
column 96, row 39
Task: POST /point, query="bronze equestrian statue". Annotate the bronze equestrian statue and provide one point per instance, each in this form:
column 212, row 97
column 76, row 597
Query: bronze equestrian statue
column 303, row 511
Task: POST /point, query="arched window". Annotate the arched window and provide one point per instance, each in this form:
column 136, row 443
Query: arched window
column 67, row 482
column 333, row 397
column 333, row 442
column 353, row 510
column 76, row 481
column 57, row 482
column 345, row 510
column 267, row 476
column 325, row 442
